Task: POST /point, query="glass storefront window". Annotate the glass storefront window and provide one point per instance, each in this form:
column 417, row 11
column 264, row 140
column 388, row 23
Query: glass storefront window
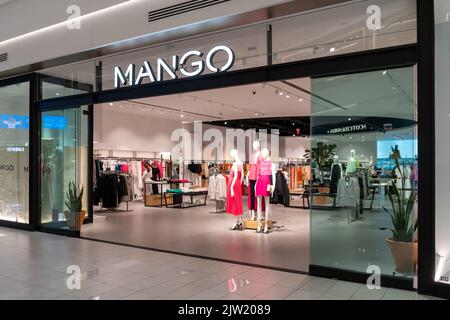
column 351, row 27
column 63, row 161
column 359, row 122
column 442, row 40
column 14, row 152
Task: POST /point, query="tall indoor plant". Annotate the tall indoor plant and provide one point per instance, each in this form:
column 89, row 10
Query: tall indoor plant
column 74, row 203
column 322, row 154
column 402, row 244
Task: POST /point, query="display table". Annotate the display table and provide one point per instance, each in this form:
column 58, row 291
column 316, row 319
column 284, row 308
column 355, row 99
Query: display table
column 190, row 194
column 158, row 200
column 323, row 197
column 253, row 224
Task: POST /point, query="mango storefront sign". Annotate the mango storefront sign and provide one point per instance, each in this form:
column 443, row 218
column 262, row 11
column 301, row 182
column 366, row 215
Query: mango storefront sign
column 190, row 64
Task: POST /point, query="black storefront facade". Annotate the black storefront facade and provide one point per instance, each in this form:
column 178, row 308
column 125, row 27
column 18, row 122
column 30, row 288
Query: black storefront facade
column 418, row 56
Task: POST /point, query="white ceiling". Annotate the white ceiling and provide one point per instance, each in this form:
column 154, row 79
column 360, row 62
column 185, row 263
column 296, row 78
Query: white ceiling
column 241, row 102
column 306, row 36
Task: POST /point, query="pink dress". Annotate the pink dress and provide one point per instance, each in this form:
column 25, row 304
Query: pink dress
column 264, row 171
column 234, row 204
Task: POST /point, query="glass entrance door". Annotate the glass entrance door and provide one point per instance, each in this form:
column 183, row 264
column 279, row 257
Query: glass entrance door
column 365, row 173
column 64, row 167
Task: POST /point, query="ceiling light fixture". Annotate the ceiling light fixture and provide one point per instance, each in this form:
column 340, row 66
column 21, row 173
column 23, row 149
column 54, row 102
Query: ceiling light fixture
column 111, row 104
column 332, row 49
column 281, row 93
column 288, row 96
column 300, row 100
column 384, row 72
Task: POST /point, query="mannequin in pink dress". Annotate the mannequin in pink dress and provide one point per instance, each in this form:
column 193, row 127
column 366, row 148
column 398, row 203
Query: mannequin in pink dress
column 265, row 186
column 234, row 191
column 251, row 178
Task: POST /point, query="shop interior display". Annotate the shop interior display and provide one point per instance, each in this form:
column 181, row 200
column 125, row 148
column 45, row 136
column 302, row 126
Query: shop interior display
column 313, row 183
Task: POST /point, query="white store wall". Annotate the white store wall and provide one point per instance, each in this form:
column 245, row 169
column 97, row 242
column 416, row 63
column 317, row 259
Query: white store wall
column 116, row 130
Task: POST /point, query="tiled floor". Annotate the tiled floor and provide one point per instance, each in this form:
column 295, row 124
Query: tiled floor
column 33, row 266
column 197, row 231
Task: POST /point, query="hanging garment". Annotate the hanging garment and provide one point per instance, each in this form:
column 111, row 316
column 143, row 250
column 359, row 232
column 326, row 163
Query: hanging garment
column 348, row 193
column 217, row 188
column 234, row 204
column 155, row 177
column 336, row 175
column 281, row 193
column 129, row 185
column 159, row 165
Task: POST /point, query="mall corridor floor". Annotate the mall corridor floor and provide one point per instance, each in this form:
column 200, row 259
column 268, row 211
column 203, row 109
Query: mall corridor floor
column 33, row 266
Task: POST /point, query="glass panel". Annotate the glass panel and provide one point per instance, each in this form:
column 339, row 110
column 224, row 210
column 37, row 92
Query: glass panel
column 345, row 28
column 359, row 121
column 442, row 9
column 14, row 152
column 63, row 161
column 67, row 80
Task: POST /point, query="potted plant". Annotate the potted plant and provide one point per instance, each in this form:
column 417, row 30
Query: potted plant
column 403, row 247
column 74, row 203
column 322, row 154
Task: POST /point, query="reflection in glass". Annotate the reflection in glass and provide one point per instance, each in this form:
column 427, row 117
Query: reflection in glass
column 63, row 160
column 14, row 152
column 364, row 121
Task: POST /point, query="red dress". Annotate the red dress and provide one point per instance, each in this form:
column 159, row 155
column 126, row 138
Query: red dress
column 234, row 204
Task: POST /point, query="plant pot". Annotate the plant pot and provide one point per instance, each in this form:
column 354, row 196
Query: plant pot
column 405, row 255
column 75, row 219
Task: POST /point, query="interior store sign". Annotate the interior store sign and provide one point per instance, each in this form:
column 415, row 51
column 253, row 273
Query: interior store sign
column 354, row 128
column 191, row 64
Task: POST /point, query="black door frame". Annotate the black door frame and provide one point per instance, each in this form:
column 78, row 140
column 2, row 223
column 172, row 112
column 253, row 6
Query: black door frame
column 421, row 54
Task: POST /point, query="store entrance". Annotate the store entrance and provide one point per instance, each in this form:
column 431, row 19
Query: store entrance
column 192, row 173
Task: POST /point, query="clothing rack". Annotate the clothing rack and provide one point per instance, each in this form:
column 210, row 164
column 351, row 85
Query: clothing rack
column 117, row 208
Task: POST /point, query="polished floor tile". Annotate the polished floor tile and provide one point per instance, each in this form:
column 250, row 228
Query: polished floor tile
column 111, row 272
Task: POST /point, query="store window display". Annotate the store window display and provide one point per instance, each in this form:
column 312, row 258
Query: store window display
column 264, row 189
column 234, row 191
column 251, row 178
column 369, row 175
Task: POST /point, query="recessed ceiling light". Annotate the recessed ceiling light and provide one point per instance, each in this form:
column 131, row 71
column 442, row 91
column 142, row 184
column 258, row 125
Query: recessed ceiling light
column 182, row 115
column 384, row 72
column 57, row 93
column 288, row 96
column 281, row 93
column 300, row 100
column 332, row 49
column 256, row 114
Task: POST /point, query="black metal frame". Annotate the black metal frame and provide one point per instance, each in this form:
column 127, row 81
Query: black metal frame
column 379, row 59
column 39, row 79
column 31, row 79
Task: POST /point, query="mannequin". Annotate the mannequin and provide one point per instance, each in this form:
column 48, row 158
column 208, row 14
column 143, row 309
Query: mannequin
column 352, row 163
column 336, row 174
column 251, row 178
column 234, row 191
column 265, row 186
